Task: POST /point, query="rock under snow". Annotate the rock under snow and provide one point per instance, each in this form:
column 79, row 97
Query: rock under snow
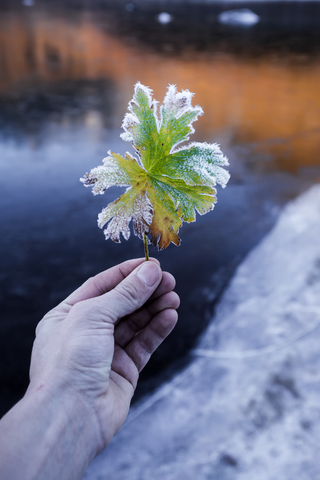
column 243, row 17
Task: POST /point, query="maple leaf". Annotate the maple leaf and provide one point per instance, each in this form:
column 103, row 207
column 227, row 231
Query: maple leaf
column 167, row 182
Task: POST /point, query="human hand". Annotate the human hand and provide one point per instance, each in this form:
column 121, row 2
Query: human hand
column 93, row 345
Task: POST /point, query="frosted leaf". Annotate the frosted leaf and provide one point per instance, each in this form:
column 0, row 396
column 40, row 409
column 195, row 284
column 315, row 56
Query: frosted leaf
column 119, row 224
column 121, row 211
column 177, row 109
column 142, row 117
column 188, row 198
column 198, row 164
column 105, row 176
column 142, row 215
column 128, row 123
column 168, row 182
column 178, row 103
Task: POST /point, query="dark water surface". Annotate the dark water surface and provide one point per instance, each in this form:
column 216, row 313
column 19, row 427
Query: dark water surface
column 67, row 74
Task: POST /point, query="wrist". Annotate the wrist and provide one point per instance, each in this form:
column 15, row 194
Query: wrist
column 54, row 434
column 69, row 411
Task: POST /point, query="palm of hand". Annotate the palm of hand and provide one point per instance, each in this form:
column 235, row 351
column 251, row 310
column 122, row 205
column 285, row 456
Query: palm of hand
column 99, row 351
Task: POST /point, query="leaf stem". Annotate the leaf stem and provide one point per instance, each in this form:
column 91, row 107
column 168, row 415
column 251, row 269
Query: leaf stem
column 146, row 250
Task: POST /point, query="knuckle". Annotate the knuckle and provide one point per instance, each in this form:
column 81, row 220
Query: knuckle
column 147, row 347
column 95, row 282
column 83, row 308
column 129, row 293
column 78, row 307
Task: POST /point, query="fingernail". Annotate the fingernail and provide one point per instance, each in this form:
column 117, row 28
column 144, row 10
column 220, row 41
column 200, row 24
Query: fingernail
column 149, row 273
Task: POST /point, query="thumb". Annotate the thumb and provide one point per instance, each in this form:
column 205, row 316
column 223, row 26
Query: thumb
column 130, row 294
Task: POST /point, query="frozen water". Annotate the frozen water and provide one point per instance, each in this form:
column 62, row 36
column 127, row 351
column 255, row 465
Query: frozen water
column 253, row 414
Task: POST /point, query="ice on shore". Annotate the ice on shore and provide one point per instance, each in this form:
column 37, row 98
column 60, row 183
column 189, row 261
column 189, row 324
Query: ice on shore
column 248, row 405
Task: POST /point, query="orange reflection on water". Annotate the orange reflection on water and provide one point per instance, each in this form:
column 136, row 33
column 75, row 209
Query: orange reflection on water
column 271, row 103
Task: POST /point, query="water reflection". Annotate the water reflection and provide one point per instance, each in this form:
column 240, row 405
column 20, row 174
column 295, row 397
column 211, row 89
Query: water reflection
column 271, row 103
column 66, row 78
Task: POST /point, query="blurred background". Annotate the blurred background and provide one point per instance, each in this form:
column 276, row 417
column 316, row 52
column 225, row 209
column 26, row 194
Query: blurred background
column 67, row 71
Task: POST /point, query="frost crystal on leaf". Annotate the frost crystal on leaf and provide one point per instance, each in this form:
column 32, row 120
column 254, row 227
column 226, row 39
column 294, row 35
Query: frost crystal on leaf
column 106, row 176
column 166, row 182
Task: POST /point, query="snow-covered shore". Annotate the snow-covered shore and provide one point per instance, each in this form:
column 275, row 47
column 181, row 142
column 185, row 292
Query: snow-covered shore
column 248, row 405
